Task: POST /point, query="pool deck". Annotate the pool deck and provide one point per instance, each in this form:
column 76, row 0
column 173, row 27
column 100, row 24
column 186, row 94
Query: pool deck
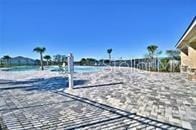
column 134, row 101
column 20, row 109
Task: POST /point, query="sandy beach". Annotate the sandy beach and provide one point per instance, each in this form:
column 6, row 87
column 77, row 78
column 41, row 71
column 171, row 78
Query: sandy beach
column 166, row 97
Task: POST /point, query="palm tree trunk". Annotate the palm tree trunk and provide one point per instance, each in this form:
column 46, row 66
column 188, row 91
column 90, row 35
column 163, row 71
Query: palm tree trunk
column 152, row 63
column 41, row 61
column 47, row 62
column 109, row 58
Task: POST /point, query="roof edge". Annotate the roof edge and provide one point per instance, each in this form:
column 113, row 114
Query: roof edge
column 194, row 19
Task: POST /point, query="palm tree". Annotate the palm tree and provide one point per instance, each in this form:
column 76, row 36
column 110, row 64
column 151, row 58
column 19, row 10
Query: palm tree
column 174, row 55
column 83, row 61
column 47, row 58
column 151, row 50
column 6, row 58
column 152, row 54
column 109, row 51
column 40, row 50
column 57, row 59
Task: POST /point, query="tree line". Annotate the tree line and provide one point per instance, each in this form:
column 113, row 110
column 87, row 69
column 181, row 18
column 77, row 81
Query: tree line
column 151, row 57
column 47, row 60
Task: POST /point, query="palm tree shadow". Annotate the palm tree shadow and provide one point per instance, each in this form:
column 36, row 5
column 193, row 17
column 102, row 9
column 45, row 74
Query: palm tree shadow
column 53, row 83
column 98, row 85
column 122, row 119
column 115, row 116
column 43, row 84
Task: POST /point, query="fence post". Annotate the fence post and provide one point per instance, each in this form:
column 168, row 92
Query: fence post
column 134, row 63
column 158, row 62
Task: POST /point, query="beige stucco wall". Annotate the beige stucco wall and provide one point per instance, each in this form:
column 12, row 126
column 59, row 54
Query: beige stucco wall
column 192, row 57
column 187, row 45
column 184, row 59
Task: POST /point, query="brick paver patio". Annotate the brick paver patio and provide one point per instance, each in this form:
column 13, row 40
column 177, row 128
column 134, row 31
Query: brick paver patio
column 41, row 109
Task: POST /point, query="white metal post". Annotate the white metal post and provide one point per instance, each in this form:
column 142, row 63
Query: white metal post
column 70, row 70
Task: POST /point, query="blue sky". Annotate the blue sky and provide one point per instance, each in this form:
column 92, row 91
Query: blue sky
column 88, row 27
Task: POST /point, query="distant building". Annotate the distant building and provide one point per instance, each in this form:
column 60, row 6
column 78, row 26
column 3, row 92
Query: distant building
column 187, row 46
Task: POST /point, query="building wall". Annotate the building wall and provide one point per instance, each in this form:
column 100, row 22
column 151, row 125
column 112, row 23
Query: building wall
column 192, row 57
column 184, row 59
column 188, row 61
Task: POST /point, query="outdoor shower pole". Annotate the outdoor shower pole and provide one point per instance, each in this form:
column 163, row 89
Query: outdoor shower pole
column 70, row 70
